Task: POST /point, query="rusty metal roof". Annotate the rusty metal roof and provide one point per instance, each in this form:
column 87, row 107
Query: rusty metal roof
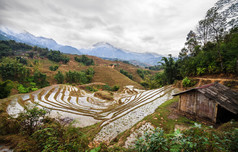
column 224, row 96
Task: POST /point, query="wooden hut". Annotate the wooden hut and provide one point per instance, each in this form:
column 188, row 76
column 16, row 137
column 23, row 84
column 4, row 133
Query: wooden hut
column 215, row 102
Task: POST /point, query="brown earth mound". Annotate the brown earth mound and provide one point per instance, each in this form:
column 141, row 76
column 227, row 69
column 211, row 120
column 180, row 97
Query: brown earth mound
column 104, row 95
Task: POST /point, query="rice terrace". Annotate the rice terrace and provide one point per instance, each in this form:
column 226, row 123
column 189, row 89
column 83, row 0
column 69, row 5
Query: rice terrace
column 119, row 76
column 69, row 102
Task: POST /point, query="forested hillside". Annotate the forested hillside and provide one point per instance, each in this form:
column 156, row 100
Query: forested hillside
column 24, row 68
column 210, row 50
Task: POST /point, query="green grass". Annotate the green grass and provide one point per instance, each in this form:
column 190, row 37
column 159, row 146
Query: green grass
column 161, row 117
column 158, row 119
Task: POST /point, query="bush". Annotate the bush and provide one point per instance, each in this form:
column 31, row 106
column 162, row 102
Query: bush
column 8, row 125
column 106, row 87
column 197, row 138
column 59, row 77
column 29, row 87
column 57, row 56
column 81, row 77
column 84, row 60
column 126, row 74
column 40, row 79
column 151, row 142
column 13, row 70
column 22, row 89
column 21, row 60
column 53, row 68
column 91, row 88
column 30, row 120
column 104, row 95
column 142, row 73
column 5, row 50
column 188, row 83
column 5, row 88
column 115, row 88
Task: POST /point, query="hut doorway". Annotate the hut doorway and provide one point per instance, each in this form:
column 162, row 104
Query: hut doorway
column 224, row 115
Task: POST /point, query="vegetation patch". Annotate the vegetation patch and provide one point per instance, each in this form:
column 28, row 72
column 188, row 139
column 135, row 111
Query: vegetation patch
column 104, row 95
column 188, row 82
column 126, row 74
column 84, row 60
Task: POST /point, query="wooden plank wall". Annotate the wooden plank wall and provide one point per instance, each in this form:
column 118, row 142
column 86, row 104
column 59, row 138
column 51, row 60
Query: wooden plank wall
column 197, row 104
column 205, row 107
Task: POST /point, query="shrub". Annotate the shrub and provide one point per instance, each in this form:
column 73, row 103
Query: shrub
column 22, row 89
column 5, row 88
column 30, row 119
column 104, row 95
column 53, row 68
column 151, row 142
column 57, row 56
column 40, row 79
column 13, row 70
column 188, row 82
column 21, row 60
column 115, row 88
column 126, row 74
column 106, row 87
column 91, row 88
column 59, row 77
column 197, row 138
column 142, row 73
column 144, row 84
column 84, row 60
column 8, row 125
column 81, row 77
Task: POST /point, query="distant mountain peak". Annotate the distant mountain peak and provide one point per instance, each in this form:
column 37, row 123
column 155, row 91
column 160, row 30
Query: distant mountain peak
column 102, row 44
column 30, row 39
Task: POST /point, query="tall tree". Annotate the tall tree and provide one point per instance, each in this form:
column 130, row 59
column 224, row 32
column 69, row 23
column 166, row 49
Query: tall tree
column 170, row 69
column 191, row 43
column 213, row 28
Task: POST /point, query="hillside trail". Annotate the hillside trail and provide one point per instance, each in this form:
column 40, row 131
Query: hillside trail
column 220, row 80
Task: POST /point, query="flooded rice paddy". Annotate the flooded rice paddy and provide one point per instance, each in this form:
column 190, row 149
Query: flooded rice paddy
column 65, row 101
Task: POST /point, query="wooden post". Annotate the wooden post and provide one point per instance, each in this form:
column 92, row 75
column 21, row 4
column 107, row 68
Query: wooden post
column 215, row 113
column 195, row 102
column 179, row 102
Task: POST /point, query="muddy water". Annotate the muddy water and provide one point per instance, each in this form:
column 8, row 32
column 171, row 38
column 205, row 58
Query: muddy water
column 128, row 119
column 87, row 110
column 4, row 148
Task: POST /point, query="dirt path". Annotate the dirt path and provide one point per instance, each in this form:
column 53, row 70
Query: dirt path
column 220, row 80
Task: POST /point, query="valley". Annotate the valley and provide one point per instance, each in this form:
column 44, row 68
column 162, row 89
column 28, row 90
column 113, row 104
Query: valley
column 119, row 76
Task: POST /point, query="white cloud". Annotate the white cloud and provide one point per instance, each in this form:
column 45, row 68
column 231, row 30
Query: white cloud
column 138, row 25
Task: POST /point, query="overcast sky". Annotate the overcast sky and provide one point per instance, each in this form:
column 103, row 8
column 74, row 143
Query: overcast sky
column 158, row 26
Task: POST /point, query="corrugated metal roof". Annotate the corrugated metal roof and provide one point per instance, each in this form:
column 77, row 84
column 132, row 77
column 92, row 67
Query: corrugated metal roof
column 224, row 96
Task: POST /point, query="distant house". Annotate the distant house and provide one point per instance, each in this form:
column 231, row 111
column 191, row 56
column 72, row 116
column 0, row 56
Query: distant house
column 215, row 102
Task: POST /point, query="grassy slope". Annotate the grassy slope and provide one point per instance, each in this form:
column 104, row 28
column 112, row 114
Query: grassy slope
column 163, row 117
column 103, row 72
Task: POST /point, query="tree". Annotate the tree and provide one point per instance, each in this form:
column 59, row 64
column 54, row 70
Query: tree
column 192, row 43
column 13, row 70
column 170, row 69
column 183, row 53
column 5, row 50
column 85, row 60
column 59, row 77
column 213, row 28
column 5, row 88
column 40, row 79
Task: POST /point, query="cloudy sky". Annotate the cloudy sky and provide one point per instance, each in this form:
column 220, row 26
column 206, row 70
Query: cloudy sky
column 158, row 26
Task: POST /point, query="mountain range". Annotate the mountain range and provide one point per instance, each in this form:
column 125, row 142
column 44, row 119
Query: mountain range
column 101, row 49
column 227, row 8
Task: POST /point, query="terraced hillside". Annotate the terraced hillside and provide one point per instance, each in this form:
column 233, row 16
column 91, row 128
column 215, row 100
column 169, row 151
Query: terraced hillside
column 103, row 71
column 69, row 102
